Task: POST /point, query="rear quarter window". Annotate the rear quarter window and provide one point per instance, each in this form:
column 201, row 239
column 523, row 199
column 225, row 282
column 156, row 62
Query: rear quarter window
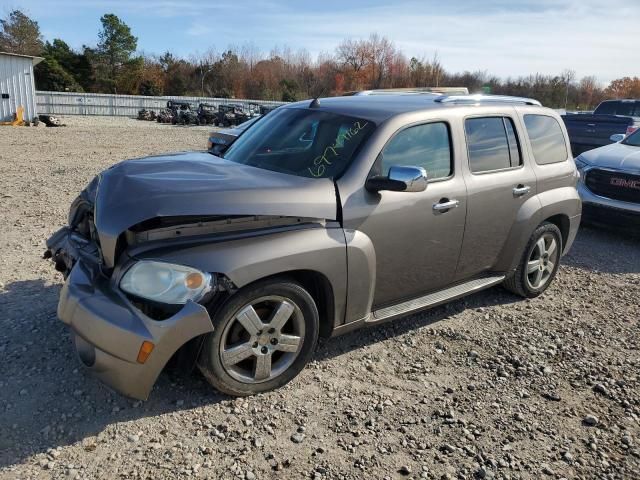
column 547, row 141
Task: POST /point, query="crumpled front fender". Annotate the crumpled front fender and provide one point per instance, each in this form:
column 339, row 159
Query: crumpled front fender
column 248, row 259
column 108, row 332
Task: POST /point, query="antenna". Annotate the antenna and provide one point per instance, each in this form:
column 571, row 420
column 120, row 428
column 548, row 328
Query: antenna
column 315, row 103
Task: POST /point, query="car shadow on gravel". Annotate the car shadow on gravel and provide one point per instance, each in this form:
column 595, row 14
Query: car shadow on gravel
column 375, row 333
column 47, row 400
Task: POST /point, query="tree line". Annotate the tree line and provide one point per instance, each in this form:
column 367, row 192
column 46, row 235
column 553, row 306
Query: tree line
column 114, row 66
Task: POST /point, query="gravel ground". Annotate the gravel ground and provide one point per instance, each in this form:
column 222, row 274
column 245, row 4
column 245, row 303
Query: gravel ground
column 487, row 387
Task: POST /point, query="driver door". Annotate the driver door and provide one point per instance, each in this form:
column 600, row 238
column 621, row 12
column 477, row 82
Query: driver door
column 417, row 239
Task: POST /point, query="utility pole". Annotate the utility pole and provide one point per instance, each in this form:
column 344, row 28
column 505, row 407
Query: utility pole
column 568, row 75
column 204, row 74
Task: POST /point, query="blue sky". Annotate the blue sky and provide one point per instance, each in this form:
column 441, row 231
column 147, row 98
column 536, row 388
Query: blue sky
column 506, row 38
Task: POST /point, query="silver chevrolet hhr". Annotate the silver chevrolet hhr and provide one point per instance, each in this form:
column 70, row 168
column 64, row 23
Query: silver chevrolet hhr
column 324, row 216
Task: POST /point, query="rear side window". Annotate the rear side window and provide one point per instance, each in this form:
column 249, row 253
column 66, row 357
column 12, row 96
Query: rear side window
column 492, row 144
column 427, row 146
column 626, row 108
column 547, row 140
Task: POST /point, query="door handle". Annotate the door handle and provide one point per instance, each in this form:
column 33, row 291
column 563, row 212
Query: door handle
column 445, row 205
column 521, row 190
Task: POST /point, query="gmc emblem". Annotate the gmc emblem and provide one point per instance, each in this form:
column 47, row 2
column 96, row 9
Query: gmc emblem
column 623, row 182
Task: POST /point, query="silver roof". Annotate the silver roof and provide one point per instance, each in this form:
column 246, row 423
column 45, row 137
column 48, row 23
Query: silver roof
column 378, row 108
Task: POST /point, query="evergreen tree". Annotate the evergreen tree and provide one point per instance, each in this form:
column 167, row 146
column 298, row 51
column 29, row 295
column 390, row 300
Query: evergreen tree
column 114, row 51
column 19, row 34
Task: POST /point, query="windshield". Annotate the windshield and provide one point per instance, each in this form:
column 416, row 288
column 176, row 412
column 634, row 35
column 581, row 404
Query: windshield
column 633, row 139
column 307, row 143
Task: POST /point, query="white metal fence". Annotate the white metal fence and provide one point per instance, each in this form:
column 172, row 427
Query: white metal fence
column 68, row 103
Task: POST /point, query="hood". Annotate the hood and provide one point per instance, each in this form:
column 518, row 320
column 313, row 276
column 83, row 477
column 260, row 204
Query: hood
column 617, row 156
column 200, row 184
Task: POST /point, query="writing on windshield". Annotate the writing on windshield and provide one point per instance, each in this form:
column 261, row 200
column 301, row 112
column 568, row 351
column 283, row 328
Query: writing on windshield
column 330, row 153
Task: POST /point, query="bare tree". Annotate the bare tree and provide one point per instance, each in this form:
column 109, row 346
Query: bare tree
column 352, row 53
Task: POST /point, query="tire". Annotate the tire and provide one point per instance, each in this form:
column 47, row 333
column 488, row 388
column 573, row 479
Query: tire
column 524, row 281
column 248, row 351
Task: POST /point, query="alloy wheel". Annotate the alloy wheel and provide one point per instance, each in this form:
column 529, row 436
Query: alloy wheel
column 262, row 340
column 542, row 261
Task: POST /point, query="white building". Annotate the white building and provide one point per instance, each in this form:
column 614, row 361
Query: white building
column 17, row 85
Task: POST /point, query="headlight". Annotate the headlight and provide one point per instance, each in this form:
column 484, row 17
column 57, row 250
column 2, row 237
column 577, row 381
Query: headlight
column 165, row 282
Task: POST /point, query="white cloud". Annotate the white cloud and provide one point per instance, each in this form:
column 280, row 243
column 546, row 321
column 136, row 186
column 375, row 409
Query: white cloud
column 199, row 29
column 503, row 37
column 585, row 35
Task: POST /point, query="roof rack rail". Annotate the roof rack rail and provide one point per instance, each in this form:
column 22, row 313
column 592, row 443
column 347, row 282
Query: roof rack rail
column 389, row 92
column 475, row 99
column 411, row 91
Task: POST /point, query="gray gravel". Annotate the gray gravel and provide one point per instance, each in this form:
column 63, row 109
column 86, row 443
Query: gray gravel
column 486, row 387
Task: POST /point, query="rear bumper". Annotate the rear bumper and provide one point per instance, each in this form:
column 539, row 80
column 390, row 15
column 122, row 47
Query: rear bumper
column 108, row 332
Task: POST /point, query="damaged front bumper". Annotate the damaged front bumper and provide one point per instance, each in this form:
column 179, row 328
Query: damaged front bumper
column 108, row 330
column 65, row 247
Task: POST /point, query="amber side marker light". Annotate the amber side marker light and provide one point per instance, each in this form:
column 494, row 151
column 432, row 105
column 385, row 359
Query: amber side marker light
column 194, row 280
column 145, row 350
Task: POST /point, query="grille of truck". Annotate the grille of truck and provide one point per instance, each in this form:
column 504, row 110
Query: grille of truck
column 614, row 185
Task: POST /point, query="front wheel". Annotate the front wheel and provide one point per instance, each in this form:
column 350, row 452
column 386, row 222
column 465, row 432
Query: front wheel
column 263, row 337
column 539, row 263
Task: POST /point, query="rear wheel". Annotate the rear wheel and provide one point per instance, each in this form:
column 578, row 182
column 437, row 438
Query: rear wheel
column 263, row 337
column 539, row 263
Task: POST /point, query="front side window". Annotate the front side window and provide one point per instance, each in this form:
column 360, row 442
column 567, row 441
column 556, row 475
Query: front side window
column 492, row 143
column 633, row 139
column 302, row 142
column 427, row 146
column 547, row 141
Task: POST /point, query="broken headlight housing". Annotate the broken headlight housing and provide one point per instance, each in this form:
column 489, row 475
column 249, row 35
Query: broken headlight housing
column 166, row 282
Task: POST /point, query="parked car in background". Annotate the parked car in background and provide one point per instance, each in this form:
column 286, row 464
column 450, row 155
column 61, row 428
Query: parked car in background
column 219, row 140
column 230, row 114
column 182, row 113
column 610, row 181
column 264, row 109
column 321, row 218
column 611, row 117
column 253, row 110
column 207, row 113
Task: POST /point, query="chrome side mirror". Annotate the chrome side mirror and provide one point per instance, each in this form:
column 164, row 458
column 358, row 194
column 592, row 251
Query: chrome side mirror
column 617, row 137
column 400, row 179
